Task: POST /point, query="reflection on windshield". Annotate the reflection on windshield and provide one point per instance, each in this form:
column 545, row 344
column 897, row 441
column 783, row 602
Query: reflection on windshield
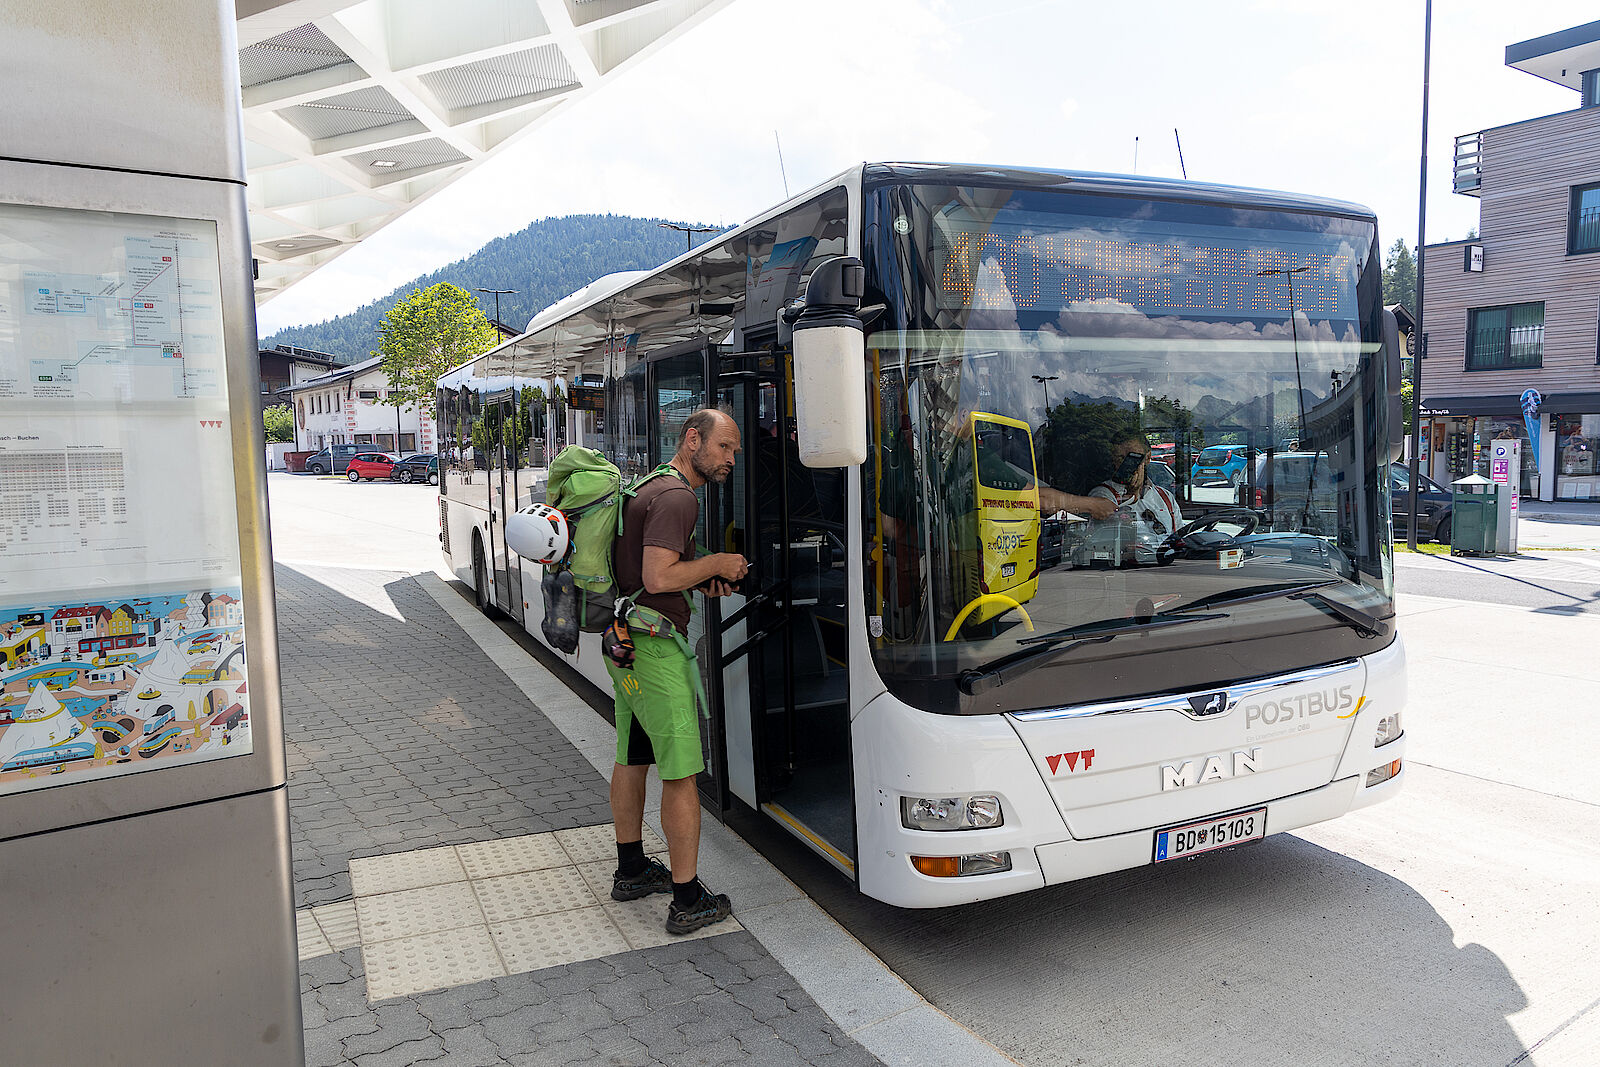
column 1050, row 463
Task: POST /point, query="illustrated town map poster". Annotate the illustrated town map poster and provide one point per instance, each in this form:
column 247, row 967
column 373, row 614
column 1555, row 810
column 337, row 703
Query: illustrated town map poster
column 121, row 625
column 121, row 685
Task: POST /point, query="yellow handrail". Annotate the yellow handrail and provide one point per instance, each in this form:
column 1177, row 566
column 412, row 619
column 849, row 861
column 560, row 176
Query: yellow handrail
column 950, row 634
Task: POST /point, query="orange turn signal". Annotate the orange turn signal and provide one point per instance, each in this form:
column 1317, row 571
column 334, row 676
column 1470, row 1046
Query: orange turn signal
column 938, row 866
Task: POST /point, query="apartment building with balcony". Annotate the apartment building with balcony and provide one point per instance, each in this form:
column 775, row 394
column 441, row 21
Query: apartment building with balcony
column 1517, row 308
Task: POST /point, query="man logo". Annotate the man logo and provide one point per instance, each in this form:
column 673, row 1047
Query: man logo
column 1209, row 704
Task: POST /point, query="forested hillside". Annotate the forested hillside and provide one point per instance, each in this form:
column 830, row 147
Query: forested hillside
column 545, row 262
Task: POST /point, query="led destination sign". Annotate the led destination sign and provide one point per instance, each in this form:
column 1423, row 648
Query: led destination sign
column 1032, row 269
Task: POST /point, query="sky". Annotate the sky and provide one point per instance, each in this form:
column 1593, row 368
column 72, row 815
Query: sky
column 1302, row 96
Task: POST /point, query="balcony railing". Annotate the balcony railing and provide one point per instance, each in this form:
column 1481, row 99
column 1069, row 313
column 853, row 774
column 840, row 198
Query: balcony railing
column 1469, row 163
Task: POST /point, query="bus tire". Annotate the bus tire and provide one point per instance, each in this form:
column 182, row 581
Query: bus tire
column 480, row 579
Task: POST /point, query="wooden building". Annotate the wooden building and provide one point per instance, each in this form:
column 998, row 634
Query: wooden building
column 1517, row 308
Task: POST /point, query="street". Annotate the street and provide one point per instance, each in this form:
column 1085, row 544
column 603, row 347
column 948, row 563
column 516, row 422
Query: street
column 1452, row 926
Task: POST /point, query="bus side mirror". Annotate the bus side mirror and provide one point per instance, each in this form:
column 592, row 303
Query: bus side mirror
column 830, row 377
column 1397, row 417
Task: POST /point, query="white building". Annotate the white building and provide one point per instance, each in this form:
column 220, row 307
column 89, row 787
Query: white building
column 346, row 407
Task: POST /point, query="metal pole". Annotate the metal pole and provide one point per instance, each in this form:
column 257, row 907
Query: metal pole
column 1422, row 337
column 497, row 292
column 688, row 232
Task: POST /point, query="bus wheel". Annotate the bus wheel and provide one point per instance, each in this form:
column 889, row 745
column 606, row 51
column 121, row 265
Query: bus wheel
column 480, row 579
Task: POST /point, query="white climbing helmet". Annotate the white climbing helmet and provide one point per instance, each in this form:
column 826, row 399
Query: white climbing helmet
column 538, row 532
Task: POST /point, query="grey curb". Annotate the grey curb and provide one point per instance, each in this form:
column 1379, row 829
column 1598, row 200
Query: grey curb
column 854, row 988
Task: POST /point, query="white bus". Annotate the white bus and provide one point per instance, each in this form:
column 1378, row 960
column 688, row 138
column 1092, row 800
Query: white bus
column 946, row 676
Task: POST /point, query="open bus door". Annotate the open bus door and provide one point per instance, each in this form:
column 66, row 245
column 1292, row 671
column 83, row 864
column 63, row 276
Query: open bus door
column 782, row 649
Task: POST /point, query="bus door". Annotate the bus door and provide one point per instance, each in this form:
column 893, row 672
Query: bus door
column 507, row 434
column 677, row 388
column 784, row 660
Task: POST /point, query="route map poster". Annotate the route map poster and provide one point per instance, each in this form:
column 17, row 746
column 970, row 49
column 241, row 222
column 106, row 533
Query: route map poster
column 121, row 625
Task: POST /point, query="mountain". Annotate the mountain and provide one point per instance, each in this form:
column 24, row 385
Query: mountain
column 544, row 262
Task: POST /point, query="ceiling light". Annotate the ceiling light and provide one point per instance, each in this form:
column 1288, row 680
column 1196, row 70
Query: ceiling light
column 285, row 244
column 384, row 163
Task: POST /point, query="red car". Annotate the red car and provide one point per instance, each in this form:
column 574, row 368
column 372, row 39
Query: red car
column 369, row 465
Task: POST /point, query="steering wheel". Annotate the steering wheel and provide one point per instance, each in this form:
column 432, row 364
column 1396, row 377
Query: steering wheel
column 1244, row 516
column 1183, row 542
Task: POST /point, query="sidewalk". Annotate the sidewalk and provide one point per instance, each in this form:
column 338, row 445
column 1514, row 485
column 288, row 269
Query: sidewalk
column 452, row 857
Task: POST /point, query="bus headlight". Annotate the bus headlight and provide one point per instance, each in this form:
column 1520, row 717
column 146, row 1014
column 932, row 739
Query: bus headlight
column 1388, row 730
column 951, row 813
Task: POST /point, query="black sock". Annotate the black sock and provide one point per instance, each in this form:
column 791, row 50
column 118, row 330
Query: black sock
column 630, row 858
column 684, row 894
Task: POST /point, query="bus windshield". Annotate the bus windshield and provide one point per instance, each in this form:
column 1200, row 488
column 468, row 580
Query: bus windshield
column 1094, row 412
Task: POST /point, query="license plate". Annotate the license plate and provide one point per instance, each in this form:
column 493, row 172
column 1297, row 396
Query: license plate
column 1191, row 839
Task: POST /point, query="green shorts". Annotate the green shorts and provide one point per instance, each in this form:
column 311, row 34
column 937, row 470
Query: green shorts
column 657, row 721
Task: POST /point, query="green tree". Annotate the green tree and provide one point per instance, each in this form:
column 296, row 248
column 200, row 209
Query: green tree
column 1400, row 276
column 278, row 421
column 425, row 335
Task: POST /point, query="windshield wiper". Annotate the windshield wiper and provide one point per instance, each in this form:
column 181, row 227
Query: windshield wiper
column 1247, row 593
column 973, row 682
column 1364, row 624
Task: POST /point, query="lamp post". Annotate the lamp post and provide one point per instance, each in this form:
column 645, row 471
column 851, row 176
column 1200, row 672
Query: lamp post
column 1294, row 333
column 1043, row 379
column 497, row 294
column 688, row 232
column 1417, row 331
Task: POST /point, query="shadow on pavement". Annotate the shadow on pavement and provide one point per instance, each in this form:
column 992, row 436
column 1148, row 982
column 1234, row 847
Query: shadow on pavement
column 1238, row 957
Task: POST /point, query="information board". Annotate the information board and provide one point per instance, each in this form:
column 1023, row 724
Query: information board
column 121, row 622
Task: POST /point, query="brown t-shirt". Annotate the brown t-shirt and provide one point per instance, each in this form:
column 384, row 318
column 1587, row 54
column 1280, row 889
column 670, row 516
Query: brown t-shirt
column 663, row 515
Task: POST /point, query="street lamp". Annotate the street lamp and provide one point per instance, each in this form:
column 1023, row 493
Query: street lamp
column 688, row 232
column 497, row 294
column 1042, row 379
column 1294, row 332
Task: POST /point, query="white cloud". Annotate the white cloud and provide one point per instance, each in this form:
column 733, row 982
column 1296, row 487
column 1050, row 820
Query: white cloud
column 1321, row 99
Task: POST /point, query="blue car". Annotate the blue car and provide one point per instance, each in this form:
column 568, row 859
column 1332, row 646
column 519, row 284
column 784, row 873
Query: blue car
column 1220, row 465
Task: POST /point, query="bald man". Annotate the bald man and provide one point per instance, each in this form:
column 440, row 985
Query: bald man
column 657, row 718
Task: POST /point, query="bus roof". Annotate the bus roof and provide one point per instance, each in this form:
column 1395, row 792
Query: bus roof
column 869, row 175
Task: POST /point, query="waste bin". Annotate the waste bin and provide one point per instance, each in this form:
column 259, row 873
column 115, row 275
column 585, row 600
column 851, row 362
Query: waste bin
column 296, row 461
column 1475, row 504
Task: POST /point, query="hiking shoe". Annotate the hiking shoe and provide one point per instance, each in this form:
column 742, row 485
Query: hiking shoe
column 655, row 878
column 710, row 908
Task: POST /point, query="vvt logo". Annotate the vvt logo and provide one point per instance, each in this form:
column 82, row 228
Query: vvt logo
column 1209, row 703
column 1071, row 759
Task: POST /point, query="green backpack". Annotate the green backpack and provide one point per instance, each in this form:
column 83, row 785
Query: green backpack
column 587, row 488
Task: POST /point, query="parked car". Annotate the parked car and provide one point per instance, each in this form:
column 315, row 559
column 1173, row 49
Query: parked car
column 335, row 463
column 1295, row 492
column 370, row 465
column 1220, row 465
column 1434, row 511
column 417, row 468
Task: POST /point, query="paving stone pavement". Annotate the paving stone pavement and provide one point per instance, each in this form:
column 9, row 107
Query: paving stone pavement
column 403, row 735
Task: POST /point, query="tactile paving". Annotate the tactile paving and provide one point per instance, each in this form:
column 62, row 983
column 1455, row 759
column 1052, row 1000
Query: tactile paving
column 430, row 961
column 338, row 923
column 585, row 844
column 417, row 911
column 309, row 936
column 405, row 870
column 564, row 937
column 512, row 855
column 643, row 922
column 517, row 896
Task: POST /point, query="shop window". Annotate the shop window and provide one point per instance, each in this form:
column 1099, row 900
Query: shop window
column 408, row 442
column 1577, row 449
column 1583, row 220
column 1505, row 338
